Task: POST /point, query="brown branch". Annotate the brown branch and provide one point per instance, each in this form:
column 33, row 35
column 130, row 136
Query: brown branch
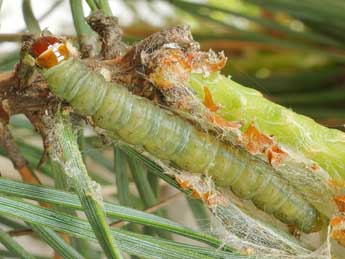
column 110, row 32
column 163, row 203
column 23, row 90
column 20, row 232
column 13, row 37
column 19, row 162
column 6, row 78
column 7, row 141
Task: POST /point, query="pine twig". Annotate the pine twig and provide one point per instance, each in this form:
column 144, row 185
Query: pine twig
column 65, row 150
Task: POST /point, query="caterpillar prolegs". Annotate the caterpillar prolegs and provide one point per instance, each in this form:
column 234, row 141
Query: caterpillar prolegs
column 139, row 122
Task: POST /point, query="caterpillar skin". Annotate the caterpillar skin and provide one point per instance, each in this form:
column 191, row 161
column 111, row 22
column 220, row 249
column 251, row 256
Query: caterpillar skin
column 168, row 137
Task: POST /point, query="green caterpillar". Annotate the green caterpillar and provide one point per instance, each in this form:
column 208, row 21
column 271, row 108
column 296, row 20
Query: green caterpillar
column 168, row 137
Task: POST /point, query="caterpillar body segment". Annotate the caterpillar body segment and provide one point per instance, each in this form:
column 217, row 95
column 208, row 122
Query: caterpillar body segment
column 168, row 137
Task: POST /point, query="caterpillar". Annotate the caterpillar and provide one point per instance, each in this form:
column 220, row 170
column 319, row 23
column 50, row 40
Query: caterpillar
column 168, row 137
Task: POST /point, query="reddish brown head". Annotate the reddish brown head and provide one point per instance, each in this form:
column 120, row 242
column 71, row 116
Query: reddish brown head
column 49, row 51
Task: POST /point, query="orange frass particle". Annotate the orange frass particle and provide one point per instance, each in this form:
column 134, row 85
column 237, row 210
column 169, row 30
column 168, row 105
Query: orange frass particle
column 337, row 220
column 314, row 167
column 275, row 155
column 338, row 228
column 196, row 194
column 340, row 201
column 222, row 123
column 206, row 196
column 255, row 141
column 211, row 199
column 49, row 51
column 259, row 143
column 208, row 100
column 184, row 184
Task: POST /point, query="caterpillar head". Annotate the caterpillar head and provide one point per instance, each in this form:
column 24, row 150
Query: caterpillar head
column 49, row 51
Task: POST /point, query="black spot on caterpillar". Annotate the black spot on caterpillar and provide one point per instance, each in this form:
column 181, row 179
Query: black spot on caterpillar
column 166, row 136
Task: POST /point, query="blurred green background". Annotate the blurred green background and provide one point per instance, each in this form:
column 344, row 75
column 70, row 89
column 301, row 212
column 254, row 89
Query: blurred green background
column 292, row 51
